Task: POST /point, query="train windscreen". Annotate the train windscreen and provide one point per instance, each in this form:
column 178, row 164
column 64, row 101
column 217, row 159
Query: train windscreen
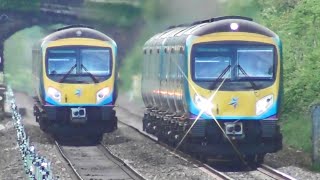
column 61, row 61
column 232, row 61
column 255, row 62
column 78, row 64
column 96, row 61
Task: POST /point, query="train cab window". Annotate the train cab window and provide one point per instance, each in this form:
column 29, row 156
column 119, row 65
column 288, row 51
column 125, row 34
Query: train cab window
column 95, row 61
column 243, row 65
column 209, row 63
column 78, row 64
column 61, row 61
column 255, row 62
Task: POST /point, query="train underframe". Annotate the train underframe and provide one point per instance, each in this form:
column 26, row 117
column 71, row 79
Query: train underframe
column 76, row 121
column 250, row 139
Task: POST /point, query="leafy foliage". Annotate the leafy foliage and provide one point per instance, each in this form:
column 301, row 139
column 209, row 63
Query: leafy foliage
column 153, row 15
column 115, row 14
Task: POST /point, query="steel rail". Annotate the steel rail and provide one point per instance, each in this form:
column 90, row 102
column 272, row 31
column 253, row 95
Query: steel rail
column 124, row 166
column 68, row 160
column 269, row 171
column 112, row 157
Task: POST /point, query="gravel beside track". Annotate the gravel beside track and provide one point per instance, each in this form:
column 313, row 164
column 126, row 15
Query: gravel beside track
column 11, row 164
column 299, row 173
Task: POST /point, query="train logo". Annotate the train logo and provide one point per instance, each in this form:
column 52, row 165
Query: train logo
column 234, row 102
column 78, row 92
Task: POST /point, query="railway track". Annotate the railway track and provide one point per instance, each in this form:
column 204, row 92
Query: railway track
column 265, row 171
column 204, row 167
column 271, row 172
column 96, row 162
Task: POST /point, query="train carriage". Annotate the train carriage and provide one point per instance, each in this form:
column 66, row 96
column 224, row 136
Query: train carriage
column 75, row 81
column 223, row 78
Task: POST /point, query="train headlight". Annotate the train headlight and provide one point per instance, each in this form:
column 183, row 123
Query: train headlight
column 264, row 104
column 203, row 104
column 102, row 94
column 234, row 26
column 54, row 94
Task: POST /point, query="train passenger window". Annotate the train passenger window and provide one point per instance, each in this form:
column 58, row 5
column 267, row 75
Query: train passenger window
column 96, row 61
column 61, row 61
column 255, row 62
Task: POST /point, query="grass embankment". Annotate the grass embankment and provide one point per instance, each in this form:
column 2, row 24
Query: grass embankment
column 297, row 23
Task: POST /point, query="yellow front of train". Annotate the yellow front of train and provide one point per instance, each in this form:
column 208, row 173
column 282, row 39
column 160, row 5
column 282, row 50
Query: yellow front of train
column 234, row 87
column 69, row 82
column 77, row 80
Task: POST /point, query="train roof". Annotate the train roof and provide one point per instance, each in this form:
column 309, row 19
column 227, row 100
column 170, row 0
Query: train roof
column 215, row 25
column 233, row 25
column 77, row 31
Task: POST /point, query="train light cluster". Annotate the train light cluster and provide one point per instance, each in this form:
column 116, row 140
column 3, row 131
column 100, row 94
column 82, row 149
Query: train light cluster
column 234, row 26
column 203, row 104
column 54, row 94
column 264, row 104
column 102, row 94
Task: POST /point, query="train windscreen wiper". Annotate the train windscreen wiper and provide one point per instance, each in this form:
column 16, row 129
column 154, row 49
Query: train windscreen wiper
column 220, row 77
column 68, row 73
column 254, row 86
column 95, row 80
